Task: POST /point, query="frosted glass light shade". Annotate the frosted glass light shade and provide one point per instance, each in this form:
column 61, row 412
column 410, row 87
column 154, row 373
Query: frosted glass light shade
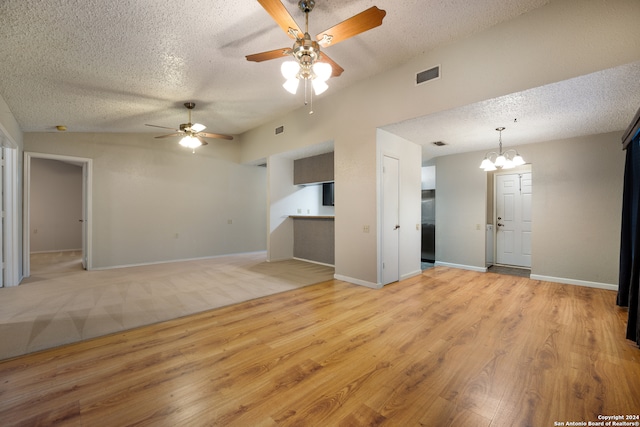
column 518, row 160
column 500, row 161
column 289, row 69
column 490, row 167
column 190, row 142
column 486, row 163
column 291, row 85
column 319, row 86
column 322, row 70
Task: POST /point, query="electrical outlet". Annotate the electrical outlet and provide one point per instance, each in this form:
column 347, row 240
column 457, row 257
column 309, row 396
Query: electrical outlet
column 365, row 229
column 299, row 211
column 229, row 221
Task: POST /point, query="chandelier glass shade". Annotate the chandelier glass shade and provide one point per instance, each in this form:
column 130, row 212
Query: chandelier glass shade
column 507, row 159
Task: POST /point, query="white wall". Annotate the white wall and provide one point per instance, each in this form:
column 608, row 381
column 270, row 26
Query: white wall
column 280, row 205
column 285, row 199
column 155, row 201
column 56, row 206
column 577, row 200
column 428, row 177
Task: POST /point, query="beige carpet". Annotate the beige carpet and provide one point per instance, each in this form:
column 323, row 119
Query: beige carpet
column 62, row 303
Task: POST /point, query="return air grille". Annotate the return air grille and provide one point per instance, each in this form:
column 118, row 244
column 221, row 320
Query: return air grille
column 427, row 75
column 279, row 130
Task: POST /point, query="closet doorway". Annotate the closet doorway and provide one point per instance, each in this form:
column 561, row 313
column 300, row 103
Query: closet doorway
column 75, row 225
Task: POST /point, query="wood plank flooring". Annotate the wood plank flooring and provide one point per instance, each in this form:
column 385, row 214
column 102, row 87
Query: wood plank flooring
column 447, row 348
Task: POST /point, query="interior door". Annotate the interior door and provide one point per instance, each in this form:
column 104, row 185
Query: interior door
column 513, row 219
column 390, row 220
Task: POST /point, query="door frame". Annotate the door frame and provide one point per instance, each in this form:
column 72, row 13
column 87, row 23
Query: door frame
column 87, row 197
column 517, row 170
column 11, row 205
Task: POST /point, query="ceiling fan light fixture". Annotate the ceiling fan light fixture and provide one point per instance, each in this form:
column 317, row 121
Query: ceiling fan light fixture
column 190, row 142
column 290, row 69
column 322, row 70
column 291, row 85
column 319, row 86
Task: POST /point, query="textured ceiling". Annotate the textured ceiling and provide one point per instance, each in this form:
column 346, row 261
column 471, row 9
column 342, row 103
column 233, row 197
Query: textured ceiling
column 605, row 101
column 112, row 66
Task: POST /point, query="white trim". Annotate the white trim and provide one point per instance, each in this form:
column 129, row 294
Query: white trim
column 314, row 262
column 57, row 251
column 169, row 261
column 357, row 281
column 410, row 275
column 461, row 266
column 12, row 271
column 575, row 282
column 87, row 164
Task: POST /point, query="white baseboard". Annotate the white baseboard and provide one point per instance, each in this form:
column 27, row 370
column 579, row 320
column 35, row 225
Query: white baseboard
column 410, row 275
column 357, row 281
column 566, row 281
column 461, row 266
column 313, row 262
column 56, row 251
column 176, row 260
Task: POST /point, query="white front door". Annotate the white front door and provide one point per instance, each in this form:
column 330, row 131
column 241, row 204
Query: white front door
column 390, row 220
column 513, row 219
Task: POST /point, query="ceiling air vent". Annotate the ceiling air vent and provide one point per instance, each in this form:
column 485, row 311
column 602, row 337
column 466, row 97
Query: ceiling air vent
column 426, row 75
column 279, row 130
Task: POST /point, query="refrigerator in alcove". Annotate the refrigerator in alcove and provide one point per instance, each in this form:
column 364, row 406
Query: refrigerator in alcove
column 428, row 253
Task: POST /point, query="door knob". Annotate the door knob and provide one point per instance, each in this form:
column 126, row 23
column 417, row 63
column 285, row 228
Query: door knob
column 396, row 227
column 500, row 225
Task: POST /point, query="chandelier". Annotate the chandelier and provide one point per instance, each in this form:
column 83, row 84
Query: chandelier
column 508, row 159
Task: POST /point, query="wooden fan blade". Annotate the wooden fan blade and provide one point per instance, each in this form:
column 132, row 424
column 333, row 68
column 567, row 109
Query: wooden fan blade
column 214, row 135
column 170, row 135
column 336, row 70
column 281, row 15
column 202, row 141
column 162, row 127
column 353, row 26
column 272, row 54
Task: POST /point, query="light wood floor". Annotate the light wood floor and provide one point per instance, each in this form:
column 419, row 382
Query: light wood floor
column 447, row 348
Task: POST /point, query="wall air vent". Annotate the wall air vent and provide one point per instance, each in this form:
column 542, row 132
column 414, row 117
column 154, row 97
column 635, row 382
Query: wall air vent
column 279, row 130
column 427, row 75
